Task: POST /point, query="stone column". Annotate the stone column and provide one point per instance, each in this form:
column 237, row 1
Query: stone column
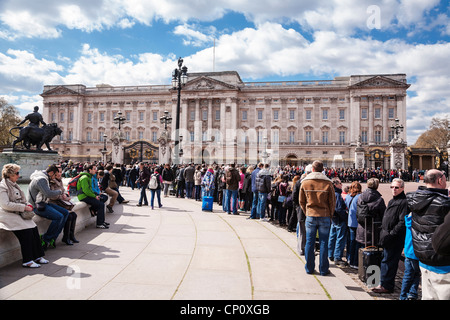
column 397, row 155
column 370, row 115
column 359, row 155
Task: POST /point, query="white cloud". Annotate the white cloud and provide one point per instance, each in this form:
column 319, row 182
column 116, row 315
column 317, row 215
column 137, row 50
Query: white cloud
column 20, row 70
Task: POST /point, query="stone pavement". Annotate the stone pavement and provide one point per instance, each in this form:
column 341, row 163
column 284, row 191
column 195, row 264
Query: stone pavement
column 178, row 252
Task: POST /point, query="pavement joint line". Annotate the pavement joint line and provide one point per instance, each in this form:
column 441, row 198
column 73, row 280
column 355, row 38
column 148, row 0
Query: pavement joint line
column 190, row 261
column 246, row 255
column 132, row 215
column 315, row 277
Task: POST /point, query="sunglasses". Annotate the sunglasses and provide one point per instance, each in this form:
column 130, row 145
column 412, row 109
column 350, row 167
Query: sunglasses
column 17, row 173
column 395, row 187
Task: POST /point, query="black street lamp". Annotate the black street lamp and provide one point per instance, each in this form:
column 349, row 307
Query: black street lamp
column 104, row 141
column 166, row 119
column 119, row 119
column 179, row 79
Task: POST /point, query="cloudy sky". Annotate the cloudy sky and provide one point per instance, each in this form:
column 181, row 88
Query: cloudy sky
column 135, row 42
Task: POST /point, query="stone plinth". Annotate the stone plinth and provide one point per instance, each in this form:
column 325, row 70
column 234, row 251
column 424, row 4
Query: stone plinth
column 398, row 155
column 29, row 161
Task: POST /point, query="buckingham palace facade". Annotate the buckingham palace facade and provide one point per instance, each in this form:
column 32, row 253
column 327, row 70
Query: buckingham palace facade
column 224, row 119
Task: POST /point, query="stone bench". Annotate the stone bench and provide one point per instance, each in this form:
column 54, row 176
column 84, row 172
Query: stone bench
column 9, row 244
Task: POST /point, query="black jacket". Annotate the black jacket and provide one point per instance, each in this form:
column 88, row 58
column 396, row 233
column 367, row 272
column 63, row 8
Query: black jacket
column 376, row 211
column 429, row 209
column 340, row 211
column 393, row 228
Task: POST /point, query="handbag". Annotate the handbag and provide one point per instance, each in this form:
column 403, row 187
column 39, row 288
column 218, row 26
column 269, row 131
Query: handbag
column 281, row 198
column 41, row 206
column 65, row 204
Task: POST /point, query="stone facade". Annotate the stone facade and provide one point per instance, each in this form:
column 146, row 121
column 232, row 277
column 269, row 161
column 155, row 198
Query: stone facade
column 224, row 119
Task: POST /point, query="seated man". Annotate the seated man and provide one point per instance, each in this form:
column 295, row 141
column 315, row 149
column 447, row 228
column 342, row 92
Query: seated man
column 84, row 186
column 38, row 193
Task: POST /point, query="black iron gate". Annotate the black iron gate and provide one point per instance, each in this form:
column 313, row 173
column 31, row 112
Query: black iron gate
column 141, row 151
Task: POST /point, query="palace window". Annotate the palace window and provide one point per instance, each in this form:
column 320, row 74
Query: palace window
column 325, row 114
column 291, row 136
column 377, row 136
column 325, row 137
column 275, row 114
column 291, row 114
column 308, row 137
column 391, row 113
column 364, row 113
column 377, row 113
column 341, row 137
column 260, row 115
column 102, row 116
column 244, row 115
column 141, row 115
column 364, row 137
column 217, row 114
column 341, row 114
column 308, row 114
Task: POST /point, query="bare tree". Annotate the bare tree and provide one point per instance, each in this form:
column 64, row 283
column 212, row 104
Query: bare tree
column 436, row 136
column 9, row 118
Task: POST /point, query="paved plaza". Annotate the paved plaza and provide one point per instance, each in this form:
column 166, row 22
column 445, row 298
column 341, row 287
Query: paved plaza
column 178, row 252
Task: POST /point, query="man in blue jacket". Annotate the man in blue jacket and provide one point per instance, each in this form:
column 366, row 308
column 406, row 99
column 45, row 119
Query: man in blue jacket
column 255, row 191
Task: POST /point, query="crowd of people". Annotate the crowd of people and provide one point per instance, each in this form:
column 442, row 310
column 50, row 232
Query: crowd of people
column 309, row 200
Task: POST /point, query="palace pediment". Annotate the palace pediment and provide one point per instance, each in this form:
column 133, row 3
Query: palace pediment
column 206, row 83
column 380, row 82
column 59, row 91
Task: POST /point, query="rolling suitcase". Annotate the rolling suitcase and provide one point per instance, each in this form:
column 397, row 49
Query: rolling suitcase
column 207, row 203
column 368, row 256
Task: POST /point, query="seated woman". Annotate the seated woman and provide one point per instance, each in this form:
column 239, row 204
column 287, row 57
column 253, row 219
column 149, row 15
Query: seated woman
column 16, row 216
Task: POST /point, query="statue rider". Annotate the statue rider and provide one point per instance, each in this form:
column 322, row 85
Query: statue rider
column 35, row 119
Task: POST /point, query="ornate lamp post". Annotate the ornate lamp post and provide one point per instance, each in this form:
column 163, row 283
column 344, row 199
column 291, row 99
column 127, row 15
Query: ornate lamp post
column 179, row 79
column 117, row 154
column 104, row 151
column 180, row 153
column 166, row 119
column 119, row 119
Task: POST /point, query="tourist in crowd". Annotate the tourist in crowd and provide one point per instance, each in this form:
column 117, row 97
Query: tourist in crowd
column 283, row 187
column 430, row 207
column 392, row 236
column 319, row 206
column 167, row 176
column 155, row 185
column 198, row 183
column 241, row 195
column 69, row 227
column 181, row 185
column 411, row 274
column 107, row 184
column 189, row 180
column 87, row 195
column 38, row 194
column 247, row 189
column 143, row 180
column 208, row 183
column 253, row 213
column 351, row 202
column 16, row 216
column 376, row 207
column 338, row 230
column 263, row 184
column 232, row 179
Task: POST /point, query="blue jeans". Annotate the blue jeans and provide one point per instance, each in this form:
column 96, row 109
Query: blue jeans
column 261, row 208
column 58, row 215
column 97, row 206
column 209, row 193
column 158, row 194
column 253, row 212
column 143, row 196
column 411, row 279
column 314, row 224
column 232, row 194
column 389, row 264
column 352, row 256
column 225, row 201
column 337, row 240
column 189, row 187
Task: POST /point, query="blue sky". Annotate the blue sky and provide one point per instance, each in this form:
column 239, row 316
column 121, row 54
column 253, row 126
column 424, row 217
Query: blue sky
column 134, row 42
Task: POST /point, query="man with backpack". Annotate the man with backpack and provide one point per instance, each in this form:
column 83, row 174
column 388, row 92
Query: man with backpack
column 155, row 184
column 263, row 184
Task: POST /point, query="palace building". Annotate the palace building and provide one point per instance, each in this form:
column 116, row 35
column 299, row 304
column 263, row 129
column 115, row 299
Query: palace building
column 224, row 119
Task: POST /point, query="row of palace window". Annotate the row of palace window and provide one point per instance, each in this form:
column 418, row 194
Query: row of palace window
column 260, row 115
column 325, row 139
